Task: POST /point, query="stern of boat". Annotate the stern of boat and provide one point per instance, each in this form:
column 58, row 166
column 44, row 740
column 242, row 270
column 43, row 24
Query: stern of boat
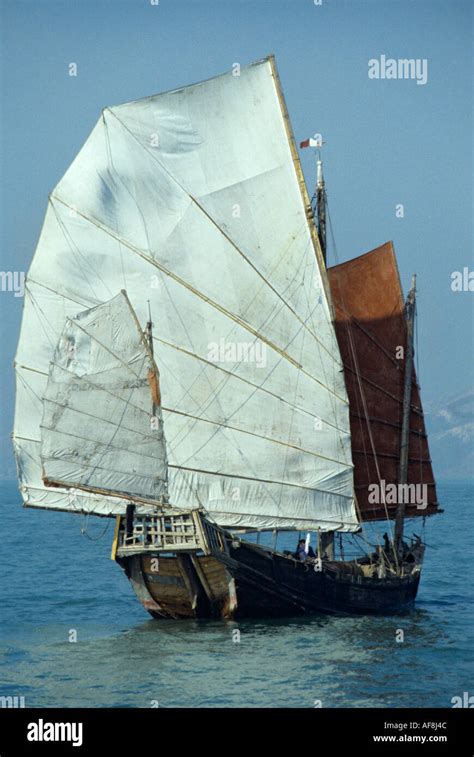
column 173, row 563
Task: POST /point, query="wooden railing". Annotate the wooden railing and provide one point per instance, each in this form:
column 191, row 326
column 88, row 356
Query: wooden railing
column 176, row 532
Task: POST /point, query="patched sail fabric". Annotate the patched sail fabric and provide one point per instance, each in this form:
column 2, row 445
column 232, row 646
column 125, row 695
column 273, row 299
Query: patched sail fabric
column 101, row 430
column 194, row 200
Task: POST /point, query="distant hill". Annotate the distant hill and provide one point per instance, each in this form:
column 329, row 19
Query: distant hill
column 450, row 425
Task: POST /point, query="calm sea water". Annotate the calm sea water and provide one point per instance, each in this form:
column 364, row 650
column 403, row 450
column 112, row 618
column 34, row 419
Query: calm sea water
column 55, row 579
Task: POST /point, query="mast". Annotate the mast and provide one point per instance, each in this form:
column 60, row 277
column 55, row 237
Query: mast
column 326, row 541
column 405, row 434
column 149, row 329
column 153, row 379
column 321, row 207
column 149, row 337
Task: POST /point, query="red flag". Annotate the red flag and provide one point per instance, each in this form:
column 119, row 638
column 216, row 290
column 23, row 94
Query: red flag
column 310, row 143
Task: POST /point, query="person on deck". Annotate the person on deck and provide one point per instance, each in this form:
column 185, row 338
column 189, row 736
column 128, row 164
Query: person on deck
column 301, row 553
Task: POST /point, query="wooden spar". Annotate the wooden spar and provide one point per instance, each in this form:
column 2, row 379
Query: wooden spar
column 149, row 329
column 327, row 544
column 405, row 435
column 50, row 482
column 154, row 384
column 139, row 328
column 147, row 341
column 302, row 185
column 113, row 553
column 153, row 375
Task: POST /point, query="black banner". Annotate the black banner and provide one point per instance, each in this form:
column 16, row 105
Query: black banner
column 319, row 731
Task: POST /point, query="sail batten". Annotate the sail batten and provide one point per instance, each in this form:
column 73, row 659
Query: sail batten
column 220, row 474
column 199, row 210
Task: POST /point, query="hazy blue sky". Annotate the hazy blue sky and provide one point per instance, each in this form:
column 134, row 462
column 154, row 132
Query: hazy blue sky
column 387, row 141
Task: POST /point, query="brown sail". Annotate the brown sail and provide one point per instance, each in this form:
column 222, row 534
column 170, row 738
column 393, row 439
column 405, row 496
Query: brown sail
column 371, row 331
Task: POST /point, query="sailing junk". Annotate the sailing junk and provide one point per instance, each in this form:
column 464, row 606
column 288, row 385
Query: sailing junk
column 195, row 200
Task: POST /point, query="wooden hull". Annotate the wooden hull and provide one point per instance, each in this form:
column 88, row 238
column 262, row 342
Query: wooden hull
column 247, row 581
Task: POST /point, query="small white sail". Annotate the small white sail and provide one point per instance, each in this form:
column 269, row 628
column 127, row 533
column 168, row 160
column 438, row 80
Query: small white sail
column 193, row 200
column 101, row 429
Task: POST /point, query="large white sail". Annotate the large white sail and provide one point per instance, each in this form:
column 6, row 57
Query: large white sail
column 192, row 200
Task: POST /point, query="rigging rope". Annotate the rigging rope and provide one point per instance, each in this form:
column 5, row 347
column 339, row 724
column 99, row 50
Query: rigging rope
column 86, row 525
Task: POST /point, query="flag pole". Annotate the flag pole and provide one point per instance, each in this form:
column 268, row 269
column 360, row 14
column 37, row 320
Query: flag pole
column 321, row 201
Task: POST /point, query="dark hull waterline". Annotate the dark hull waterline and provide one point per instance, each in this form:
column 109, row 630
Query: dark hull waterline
column 248, row 581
